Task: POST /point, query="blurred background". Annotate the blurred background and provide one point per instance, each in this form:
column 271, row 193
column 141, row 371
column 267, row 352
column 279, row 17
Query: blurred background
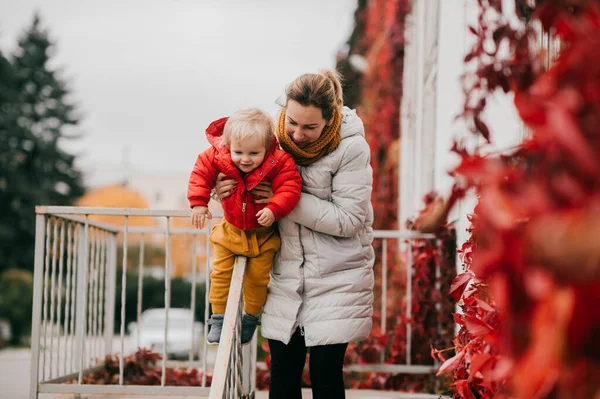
column 105, row 104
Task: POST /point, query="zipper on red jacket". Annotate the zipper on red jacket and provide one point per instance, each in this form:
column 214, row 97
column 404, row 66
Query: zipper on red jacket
column 244, row 216
column 244, row 210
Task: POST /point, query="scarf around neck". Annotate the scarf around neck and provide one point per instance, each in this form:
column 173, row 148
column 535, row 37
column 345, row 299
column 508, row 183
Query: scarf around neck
column 325, row 144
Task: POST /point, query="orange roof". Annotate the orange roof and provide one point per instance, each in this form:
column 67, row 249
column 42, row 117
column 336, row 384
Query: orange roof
column 117, row 196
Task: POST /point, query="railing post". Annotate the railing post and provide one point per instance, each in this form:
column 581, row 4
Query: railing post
column 81, row 304
column 163, row 377
column 123, row 299
column 36, row 317
column 384, row 293
column 111, row 286
column 230, row 336
column 249, row 354
column 409, row 266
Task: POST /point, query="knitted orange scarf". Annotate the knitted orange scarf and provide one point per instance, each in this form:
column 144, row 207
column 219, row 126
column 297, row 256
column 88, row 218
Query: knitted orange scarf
column 326, row 143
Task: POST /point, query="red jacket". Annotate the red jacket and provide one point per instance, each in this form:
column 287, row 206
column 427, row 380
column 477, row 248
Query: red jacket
column 239, row 208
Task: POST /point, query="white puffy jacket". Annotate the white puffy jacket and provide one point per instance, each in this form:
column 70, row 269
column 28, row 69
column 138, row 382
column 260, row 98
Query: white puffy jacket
column 322, row 277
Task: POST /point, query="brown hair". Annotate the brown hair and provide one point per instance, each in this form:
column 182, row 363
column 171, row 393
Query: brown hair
column 246, row 123
column 323, row 90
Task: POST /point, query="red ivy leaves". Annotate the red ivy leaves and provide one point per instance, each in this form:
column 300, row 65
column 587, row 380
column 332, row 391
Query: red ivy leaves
column 540, row 324
column 476, row 342
column 459, row 284
column 143, row 368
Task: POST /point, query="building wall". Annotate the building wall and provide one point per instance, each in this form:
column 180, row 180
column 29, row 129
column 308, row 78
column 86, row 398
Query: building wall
column 438, row 39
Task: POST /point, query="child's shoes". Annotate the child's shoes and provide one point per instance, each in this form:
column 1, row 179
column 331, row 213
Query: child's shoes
column 216, row 326
column 249, row 323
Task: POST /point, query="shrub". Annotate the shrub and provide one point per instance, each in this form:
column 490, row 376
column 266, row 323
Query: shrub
column 16, row 300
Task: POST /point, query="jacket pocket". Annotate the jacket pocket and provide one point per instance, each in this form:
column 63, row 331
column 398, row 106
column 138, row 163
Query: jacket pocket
column 336, row 254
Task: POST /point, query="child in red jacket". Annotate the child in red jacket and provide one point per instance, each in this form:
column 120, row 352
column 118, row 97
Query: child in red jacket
column 244, row 148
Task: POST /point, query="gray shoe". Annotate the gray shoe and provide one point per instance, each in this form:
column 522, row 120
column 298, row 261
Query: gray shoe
column 216, row 326
column 249, row 323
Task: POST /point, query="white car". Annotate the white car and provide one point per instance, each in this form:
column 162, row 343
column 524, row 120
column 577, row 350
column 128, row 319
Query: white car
column 181, row 338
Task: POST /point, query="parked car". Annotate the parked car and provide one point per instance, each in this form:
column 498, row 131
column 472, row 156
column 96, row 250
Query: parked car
column 179, row 338
column 5, row 333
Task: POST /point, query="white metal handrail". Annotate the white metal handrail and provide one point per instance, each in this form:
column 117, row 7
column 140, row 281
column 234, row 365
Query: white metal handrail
column 228, row 373
column 405, row 239
column 76, row 259
column 75, row 279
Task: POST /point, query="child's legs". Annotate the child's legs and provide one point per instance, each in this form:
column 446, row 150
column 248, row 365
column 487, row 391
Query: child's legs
column 257, row 273
column 222, row 268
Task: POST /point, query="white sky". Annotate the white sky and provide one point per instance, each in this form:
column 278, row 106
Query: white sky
column 151, row 75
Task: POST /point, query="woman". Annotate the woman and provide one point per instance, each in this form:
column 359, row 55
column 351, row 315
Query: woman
column 321, row 289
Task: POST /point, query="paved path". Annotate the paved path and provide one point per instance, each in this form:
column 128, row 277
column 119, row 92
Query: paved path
column 14, row 383
column 14, row 373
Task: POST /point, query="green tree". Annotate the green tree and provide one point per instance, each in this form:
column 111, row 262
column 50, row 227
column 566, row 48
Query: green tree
column 16, row 300
column 10, row 135
column 37, row 170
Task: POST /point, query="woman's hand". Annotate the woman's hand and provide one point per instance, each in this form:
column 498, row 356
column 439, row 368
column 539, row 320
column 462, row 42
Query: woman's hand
column 224, row 185
column 262, row 193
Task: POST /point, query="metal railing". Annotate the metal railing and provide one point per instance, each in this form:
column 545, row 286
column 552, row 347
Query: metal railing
column 75, row 281
column 405, row 239
column 229, row 380
column 77, row 260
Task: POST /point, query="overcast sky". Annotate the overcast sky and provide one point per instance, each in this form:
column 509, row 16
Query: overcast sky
column 150, row 75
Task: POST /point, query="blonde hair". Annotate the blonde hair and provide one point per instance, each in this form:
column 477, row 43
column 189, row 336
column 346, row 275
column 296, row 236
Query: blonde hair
column 323, row 90
column 246, row 123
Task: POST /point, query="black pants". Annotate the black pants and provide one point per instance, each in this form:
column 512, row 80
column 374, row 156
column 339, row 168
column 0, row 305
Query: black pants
column 287, row 364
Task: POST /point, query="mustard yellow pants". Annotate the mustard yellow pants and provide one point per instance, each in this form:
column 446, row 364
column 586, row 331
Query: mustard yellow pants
column 259, row 246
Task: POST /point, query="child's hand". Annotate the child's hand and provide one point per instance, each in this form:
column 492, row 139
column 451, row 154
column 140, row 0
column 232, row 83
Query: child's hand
column 199, row 215
column 266, row 217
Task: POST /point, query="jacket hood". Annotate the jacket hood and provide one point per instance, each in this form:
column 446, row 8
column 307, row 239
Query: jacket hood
column 352, row 125
column 214, row 132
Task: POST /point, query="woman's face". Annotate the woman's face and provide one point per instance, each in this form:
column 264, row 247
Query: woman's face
column 304, row 123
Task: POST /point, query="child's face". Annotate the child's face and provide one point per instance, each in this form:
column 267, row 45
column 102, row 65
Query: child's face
column 247, row 154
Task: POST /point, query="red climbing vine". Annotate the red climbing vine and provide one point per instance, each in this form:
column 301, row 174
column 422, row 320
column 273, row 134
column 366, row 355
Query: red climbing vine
column 530, row 323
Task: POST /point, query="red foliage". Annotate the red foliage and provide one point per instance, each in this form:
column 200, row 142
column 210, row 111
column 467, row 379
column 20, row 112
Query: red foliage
column 431, row 318
column 144, row 368
column 383, row 48
column 381, row 24
column 382, row 45
column 538, row 336
column 476, row 344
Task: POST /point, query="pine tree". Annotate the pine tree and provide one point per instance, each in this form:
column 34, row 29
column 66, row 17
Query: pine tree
column 11, row 137
column 40, row 171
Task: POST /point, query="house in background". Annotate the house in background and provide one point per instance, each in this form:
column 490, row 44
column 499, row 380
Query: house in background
column 438, row 38
column 118, row 187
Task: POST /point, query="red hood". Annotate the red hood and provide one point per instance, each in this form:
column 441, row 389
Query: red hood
column 214, row 132
column 214, row 135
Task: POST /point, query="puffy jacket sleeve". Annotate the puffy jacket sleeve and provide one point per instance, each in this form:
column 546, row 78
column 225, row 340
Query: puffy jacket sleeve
column 352, row 184
column 202, row 179
column 287, row 186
